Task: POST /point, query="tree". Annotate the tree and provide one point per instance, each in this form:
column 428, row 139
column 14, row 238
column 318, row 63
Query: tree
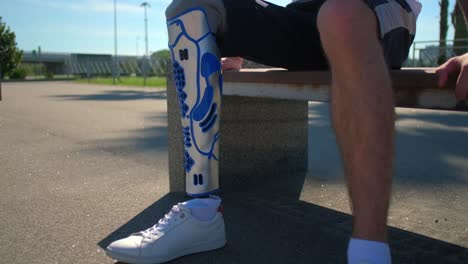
column 161, row 60
column 461, row 30
column 443, row 27
column 10, row 55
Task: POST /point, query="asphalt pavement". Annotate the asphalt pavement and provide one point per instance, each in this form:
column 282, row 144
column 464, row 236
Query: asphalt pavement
column 83, row 165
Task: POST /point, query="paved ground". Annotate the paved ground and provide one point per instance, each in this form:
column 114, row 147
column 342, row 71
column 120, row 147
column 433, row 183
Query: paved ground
column 83, row 165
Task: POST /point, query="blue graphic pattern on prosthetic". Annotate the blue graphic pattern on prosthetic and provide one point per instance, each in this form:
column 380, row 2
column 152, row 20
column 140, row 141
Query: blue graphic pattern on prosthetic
column 186, row 133
column 210, row 64
column 198, row 79
column 202, row 109
column 207, row 123
column 189, row 162
column 179, row 77
column 195, row 179
column 198, row 179
column 206, row 110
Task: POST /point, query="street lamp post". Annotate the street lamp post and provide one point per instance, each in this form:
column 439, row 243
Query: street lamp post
column 137, row 46
column 145, row 5
column 116, row 72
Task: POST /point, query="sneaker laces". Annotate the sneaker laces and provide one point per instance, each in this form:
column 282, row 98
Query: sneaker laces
column 164, row 222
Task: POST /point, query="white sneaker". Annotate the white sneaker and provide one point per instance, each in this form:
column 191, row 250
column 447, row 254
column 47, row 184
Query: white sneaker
column 177, row 234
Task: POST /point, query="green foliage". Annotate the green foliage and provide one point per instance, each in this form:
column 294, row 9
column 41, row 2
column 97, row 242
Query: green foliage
column 161, row 60
column 159, row 82
column 33, row 69
column 461, row 30
column 19, row 73
column 49, row 74
column 164, row 53
column 10, row 55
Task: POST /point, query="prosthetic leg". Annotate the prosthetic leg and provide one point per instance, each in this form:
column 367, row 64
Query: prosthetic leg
column 197, row 74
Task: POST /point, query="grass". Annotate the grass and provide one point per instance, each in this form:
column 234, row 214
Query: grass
column 127, row 81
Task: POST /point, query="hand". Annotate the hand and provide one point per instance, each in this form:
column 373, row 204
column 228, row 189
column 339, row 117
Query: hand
column 231, row 63
column 456, row 65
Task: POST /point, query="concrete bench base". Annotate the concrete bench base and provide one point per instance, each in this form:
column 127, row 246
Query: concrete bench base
column 260, row 138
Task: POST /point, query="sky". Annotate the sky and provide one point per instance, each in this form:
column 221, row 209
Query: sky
column 87, row 26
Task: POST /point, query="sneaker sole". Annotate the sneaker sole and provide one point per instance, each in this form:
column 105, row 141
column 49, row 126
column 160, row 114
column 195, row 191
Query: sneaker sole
column 208, row 246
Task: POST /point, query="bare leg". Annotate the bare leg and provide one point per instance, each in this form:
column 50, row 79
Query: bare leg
column 362, row 109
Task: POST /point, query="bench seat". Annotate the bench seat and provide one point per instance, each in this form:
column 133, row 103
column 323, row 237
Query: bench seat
column 414, row 87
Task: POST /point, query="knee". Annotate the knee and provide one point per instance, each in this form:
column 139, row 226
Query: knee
column 214, row 11
column 342, row 19
column 175, row 8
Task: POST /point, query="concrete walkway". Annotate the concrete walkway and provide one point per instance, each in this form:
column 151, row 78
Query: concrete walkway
column 81, row 166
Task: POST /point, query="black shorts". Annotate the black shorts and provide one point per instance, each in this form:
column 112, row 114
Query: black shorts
column 288, row 37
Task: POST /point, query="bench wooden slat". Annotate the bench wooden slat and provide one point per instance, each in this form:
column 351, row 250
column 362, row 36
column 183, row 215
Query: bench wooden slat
column 414, row 87
column 405, row 78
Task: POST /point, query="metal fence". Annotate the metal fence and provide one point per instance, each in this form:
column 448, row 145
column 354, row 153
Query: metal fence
column 426, row 53
column 123, row 66
column 93, row 65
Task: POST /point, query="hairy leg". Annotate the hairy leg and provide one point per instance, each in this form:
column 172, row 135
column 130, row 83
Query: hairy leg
column 362, row 110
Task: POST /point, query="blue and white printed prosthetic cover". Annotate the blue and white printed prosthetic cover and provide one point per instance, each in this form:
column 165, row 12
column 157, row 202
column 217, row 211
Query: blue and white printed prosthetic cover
column 197, row 74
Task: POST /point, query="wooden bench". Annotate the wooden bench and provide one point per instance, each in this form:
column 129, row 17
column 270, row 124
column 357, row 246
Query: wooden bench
column 267, row 111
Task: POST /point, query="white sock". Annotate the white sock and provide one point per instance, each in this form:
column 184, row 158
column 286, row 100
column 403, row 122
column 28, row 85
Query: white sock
column 204, row 209
column 362, row 251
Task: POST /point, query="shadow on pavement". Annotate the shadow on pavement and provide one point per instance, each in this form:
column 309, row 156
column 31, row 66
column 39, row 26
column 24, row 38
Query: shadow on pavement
column 426, row 152
column 140, row 143
column 269, row 224
column 449, row 119
column 117, row 95
column 136, row 142
column 273, row 228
